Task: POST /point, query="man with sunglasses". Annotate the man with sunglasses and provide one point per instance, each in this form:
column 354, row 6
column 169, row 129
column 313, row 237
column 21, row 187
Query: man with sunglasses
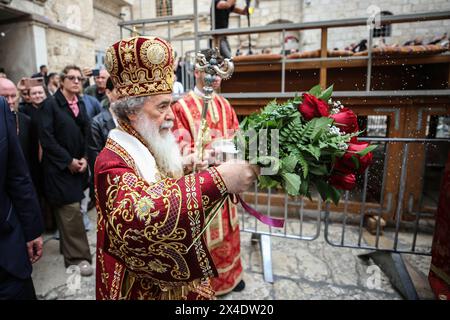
column 63, row 132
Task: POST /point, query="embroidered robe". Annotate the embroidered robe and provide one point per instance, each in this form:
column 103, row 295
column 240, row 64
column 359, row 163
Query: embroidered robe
column 223, row 237
column 147, row 225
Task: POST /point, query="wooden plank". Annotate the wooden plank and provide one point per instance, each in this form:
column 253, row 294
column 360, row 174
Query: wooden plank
column 385, row 78
column 361, row 106
column 343, row 63
column 416, row 158
column 277, row 201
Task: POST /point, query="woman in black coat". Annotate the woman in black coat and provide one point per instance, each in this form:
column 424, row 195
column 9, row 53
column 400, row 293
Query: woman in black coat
column 64, row 129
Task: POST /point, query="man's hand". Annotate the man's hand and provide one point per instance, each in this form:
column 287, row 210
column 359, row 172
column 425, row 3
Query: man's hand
column 83, row 163
column 87, row 72
column 74, row 166
column 238, row 175
column 210, row 155
column 34, row 248
column 225, row 4
column 192, row 163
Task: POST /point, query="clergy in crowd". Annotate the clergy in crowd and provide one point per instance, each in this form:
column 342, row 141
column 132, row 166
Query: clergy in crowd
column 222, row 235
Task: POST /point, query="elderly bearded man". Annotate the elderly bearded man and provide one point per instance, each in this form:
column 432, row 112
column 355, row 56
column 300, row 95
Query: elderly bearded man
column 151, row 216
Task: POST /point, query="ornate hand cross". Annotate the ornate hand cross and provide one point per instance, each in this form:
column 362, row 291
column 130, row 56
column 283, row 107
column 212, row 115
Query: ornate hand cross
column 213, row 69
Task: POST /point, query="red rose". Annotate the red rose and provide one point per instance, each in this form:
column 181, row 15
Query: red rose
column 346, row 120
column 313, row 107
column 343, row 181
column 347, row 165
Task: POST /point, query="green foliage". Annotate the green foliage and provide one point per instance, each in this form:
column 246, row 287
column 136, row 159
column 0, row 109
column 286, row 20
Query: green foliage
column 291, row 183
column 266, row 182
column 370, row 148
column 307, row 149
column 327, row 191
column 289, row 163
column 326, row 94
column 316, row 90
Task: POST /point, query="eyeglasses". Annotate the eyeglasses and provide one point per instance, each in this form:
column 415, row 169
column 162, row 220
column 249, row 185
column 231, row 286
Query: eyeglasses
column 72, row 78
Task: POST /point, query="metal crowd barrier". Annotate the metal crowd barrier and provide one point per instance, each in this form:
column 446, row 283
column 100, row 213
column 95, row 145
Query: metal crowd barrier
column 386, row 246
column 393, row 242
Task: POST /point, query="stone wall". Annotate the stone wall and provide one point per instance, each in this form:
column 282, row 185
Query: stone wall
column 319, row 10
column 63, row 50
column 77, row 29
column 75, row 43
column 15, row 55
column 28, row 6
column 70, row 32
column 74, row 15
column 106, row 19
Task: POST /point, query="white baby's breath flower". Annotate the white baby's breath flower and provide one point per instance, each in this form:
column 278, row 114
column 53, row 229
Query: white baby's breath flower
column 335, row 130
column 335, row 110
column 337, row 105
column 342, row 146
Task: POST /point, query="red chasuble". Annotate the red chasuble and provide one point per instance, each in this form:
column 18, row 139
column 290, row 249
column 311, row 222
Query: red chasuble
column 439, row 275
column 145, row 231
column 223, row 233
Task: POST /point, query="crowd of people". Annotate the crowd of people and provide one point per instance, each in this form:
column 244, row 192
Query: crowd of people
column 55, row 142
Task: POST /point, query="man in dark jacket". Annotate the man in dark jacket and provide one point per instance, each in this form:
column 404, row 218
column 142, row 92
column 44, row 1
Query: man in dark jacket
column 25, row 130
column 222, row 10
column 102, row 123
column 97, row 90
column 20, row 217
column 100, row 126
column 63, row 132
column 43, row 72
column 93, row 107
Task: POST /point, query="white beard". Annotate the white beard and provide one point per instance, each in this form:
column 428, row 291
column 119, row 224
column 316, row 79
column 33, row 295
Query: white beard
column 163, row 146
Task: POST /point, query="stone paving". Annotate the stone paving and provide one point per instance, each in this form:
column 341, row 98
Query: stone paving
column 301, row 270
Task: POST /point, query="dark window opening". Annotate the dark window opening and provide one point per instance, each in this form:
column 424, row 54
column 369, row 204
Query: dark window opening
column 385, row 30
column 373, row 126
column 99, row 59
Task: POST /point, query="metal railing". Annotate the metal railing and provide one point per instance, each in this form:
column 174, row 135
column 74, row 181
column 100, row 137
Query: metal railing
column 305, row 224
column 392, row 241
column 324, row 26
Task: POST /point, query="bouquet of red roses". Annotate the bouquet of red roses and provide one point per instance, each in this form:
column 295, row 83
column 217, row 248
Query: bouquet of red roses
column 316, row 145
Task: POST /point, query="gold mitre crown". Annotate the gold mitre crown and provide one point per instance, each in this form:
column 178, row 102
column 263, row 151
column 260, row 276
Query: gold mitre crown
column 141, row 66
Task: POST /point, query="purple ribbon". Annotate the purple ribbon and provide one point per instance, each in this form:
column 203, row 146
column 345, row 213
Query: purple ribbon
column 273, row 222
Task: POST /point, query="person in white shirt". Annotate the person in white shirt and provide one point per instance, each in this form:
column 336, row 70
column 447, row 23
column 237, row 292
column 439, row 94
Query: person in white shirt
column 178, row 88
